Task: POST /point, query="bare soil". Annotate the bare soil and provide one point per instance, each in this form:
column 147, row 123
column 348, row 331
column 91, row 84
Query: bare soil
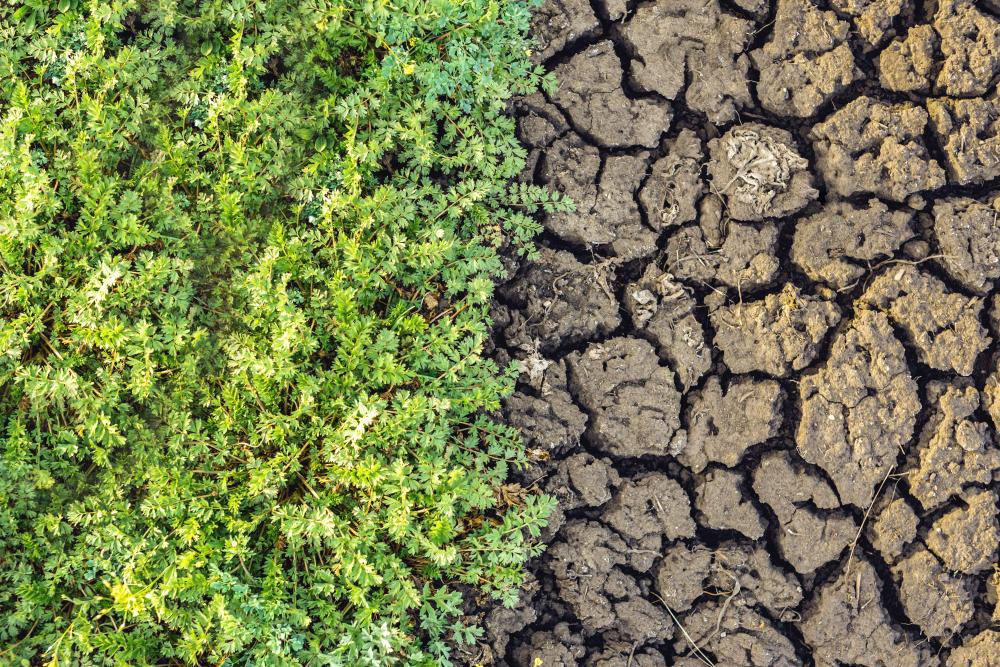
column 760, row 361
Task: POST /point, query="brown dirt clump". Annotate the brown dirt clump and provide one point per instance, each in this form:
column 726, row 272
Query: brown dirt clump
column 944, row 326
column 811, row 532
column 955, row 449
column 908, row 65
column 872, row 19
column 558, row 22
column 876, row 148
column 691, row 46
column 966, row 538
column 894, row 528
column 738, row 635
column 560, row 301
column 745, row 259
column 968, row 235
column 740, row 579
column 777, row 335
column 633, row 405
column 859, row 409
column 969, row 132
column 663, row 308
column 586, row 565
column 970, row 44
column 721, row 504
column 807, row 61
column 592, row 96
column 980, row 651
column 958, row 55
column 933, row 598
column 604, row 193
column 724, row 424
column 839, row 244
column 647, row 510
column 846, row 624
column 549, row 417
column 671, row 193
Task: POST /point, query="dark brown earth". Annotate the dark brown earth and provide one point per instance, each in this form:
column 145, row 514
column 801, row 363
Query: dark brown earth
column 760, row 361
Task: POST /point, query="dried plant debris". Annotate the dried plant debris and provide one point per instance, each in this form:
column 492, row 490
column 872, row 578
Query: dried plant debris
column 746, row 258
column 969, row 132
column 694, row 47
column 759, row 172
column 724, row 424
column 966, row 538
column 591, row 93
column 778, row 334
column 955, row 449
column 670, row 195
column 873, row 147
column 968, row 236
column 633, row 404
column 859, row 409
column 558, row 22
column 943, row 325
column 840, row 243
column 807, row 61
column 664, row 308
column 721, row 504
column 846, row 624
column 606, row 213
column 936, row 600
column 812, row 532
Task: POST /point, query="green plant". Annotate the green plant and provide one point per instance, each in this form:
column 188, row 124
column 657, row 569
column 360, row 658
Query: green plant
column 246, row 256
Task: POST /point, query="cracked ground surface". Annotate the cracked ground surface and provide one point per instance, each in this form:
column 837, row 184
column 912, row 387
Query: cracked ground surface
column 760, row 364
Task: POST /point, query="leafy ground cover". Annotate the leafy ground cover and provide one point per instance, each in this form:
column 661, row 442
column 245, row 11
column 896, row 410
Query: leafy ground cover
column 246, row 255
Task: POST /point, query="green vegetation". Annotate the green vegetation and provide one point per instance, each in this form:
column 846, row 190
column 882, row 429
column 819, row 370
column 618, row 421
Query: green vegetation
column 246, row 255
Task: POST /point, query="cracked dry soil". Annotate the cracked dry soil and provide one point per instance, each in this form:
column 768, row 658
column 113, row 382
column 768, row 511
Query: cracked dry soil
column 760, row 363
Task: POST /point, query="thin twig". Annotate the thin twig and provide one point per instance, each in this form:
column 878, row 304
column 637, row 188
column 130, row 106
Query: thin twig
column 694, row 647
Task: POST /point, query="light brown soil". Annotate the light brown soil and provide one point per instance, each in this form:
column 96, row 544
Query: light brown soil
column 759, row 369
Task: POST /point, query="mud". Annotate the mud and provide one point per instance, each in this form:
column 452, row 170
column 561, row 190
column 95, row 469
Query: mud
column 759, row 362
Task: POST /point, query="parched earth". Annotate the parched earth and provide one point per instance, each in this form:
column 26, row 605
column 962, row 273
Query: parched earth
column 760, row 362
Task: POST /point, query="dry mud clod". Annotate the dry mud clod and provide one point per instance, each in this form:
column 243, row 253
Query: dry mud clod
column 871, row 147
column 807, row 61
column 691, row 46
column 592, row 96
column 777, row 335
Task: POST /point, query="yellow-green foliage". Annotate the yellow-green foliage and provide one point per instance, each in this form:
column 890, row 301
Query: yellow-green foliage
column 246, row 254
